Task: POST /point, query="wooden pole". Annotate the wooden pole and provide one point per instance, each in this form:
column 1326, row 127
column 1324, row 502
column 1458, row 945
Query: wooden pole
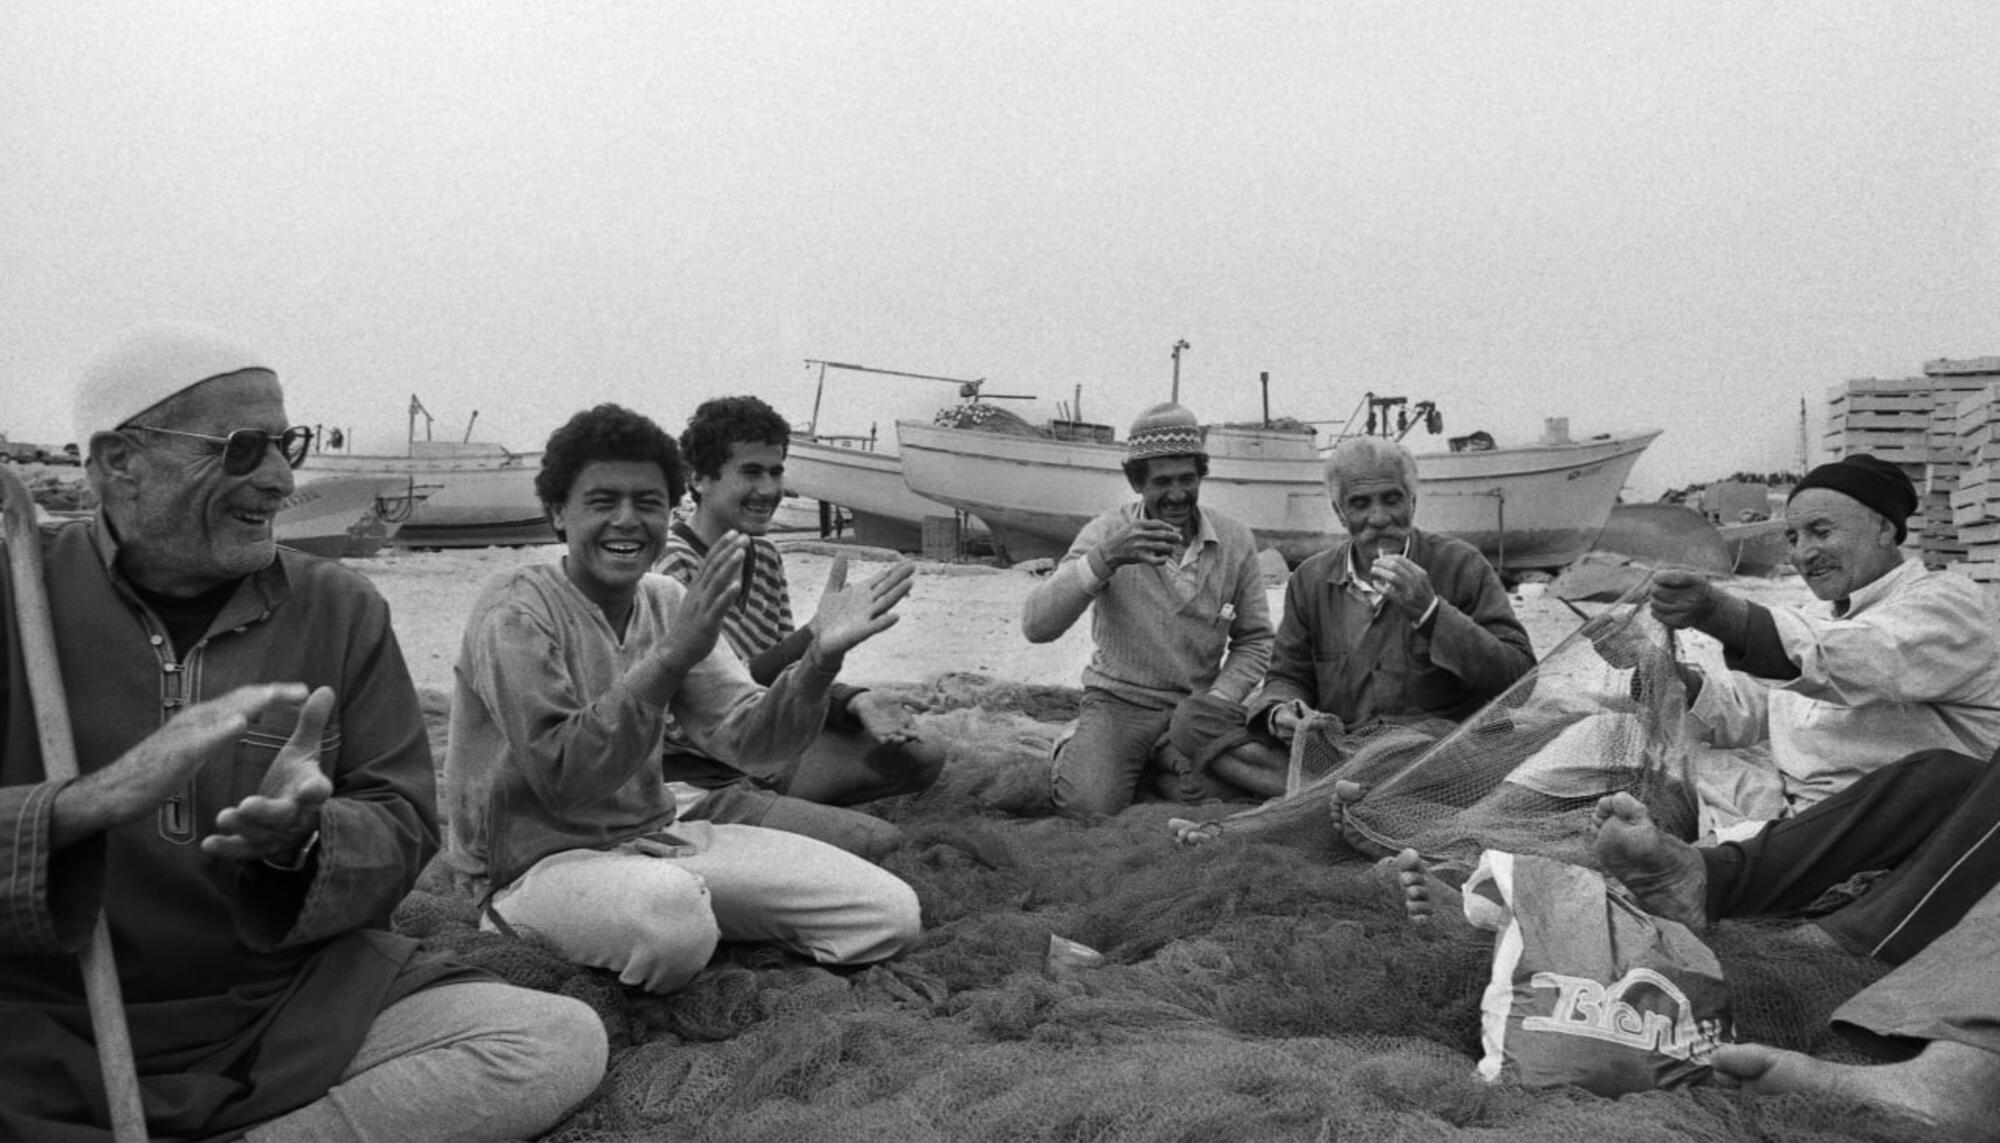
column 38, row 649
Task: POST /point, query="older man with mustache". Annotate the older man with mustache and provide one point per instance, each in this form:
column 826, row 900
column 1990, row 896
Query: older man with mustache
column 1391, row 625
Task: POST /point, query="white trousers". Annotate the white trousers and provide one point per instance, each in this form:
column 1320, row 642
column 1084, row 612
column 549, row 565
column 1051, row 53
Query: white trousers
column 653, row 912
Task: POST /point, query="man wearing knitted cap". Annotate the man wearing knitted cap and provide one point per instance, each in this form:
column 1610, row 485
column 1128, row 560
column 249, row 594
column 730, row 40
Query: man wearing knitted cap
column 1179, row 620
column 1906, row 661
column 256, row 795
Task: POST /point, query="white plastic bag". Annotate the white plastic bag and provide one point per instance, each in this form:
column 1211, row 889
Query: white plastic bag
column 1587, row 987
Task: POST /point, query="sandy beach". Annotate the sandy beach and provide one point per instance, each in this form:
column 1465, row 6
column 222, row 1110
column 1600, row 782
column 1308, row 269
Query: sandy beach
column 959, row 617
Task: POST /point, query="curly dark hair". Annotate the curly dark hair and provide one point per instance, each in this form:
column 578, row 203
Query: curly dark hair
column 723, row 421
column 605, row 432
column 1136, row 470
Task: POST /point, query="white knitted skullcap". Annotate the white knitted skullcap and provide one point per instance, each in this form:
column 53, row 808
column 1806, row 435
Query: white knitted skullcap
column 1165, row 429
column 146, row 365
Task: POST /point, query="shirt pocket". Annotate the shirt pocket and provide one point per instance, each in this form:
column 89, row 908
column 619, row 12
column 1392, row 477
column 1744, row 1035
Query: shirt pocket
column 260, row 745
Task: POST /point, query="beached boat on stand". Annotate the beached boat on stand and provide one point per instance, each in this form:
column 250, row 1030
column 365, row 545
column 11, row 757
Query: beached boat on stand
column 343, row 517
column 1535, row 506
column 868, row 486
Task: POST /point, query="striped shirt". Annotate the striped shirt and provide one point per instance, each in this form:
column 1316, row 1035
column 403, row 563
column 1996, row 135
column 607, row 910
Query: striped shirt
column 761, row 617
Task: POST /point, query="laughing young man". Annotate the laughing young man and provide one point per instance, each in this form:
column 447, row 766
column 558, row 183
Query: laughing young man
column 1179, row 619
column 567, row 678
column 868, row 748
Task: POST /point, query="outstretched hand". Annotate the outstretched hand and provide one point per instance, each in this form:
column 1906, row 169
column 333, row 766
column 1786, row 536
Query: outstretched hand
column 146, row 775
column 849, row 616
column 697, row 622
column 1682, row 598
column 884, row 718
column 276, row 820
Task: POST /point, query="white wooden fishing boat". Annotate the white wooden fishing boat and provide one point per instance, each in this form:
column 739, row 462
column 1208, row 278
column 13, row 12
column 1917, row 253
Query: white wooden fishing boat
column 868, row 485
column 343, row 516
column 478, row 495
column 1527, row 507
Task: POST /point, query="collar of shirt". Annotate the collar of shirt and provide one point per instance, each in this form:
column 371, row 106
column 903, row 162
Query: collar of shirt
column 1875, row 591
column 1357, row 579
column 1204, row 535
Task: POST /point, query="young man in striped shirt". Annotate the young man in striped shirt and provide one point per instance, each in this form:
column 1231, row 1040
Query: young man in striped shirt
column 735, row 449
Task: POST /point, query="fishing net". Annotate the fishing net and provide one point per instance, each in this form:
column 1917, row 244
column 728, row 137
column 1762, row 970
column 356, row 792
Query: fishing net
column 1603, row 712
column 1246, row 991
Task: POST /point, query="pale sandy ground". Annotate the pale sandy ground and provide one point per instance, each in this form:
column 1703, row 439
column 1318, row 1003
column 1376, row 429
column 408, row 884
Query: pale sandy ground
column 959, row 617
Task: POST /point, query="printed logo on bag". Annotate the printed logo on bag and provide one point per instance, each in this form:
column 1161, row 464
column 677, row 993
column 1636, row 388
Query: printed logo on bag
column 1584, row 1007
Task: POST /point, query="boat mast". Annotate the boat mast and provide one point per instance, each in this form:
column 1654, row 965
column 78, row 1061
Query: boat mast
column 1178, row 347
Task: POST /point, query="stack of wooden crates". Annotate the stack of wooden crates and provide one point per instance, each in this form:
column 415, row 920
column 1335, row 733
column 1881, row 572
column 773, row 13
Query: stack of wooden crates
column 1943, row 428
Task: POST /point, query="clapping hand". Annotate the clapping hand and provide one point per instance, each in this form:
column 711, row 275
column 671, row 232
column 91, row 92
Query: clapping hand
column 849, row 616
column 276, row 820
column 697, row 622
column 146, row 775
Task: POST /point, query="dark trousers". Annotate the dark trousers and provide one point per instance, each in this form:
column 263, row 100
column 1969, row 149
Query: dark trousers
column 1932, row 820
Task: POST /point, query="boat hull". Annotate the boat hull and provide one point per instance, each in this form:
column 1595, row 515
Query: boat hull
column 475, row 500
column 1757, row 548
column 869, row 485
column 1533, row 507
column 1666, row 535
column 339, row 517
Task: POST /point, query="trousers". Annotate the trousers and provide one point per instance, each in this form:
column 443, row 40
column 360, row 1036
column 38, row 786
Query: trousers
column 471, row 1062
column 653, row 909
column 1931, row 820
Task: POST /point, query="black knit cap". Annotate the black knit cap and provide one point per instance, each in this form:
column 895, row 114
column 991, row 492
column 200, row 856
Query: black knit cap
column 1876, row 484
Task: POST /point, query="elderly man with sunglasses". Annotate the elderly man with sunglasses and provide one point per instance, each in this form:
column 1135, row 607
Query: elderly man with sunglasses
column 256, row 796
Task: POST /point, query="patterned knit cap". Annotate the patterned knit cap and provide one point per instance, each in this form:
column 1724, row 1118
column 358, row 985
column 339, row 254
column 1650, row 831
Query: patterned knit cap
column 1164, row 430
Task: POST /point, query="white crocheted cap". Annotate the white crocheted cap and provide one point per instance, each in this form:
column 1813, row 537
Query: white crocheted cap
column 146, row 365
column 1165, row 429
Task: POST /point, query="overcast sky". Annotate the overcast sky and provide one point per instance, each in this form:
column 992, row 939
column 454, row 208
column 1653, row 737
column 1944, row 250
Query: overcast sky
column 1681, row 216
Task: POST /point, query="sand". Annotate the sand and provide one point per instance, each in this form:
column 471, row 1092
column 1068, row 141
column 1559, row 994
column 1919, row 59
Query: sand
column 958, row 617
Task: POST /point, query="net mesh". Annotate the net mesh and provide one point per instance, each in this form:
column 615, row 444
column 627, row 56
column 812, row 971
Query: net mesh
column 1603, row 712
column 1265, row 987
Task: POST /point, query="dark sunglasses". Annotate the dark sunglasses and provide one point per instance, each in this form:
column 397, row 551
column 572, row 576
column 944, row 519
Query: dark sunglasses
column 243, row 450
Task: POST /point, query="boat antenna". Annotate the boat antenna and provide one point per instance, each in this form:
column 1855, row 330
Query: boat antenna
column 1179, row 346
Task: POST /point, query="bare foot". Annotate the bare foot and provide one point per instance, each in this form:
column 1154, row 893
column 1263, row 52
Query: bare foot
column 1663, row 872
column 1948, row 1083
column 1192, row 833
column 1425, row 898
column 1346, row 795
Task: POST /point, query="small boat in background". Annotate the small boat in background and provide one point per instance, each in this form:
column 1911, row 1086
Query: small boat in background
column 1665, row 535
column 867, row 484
column 346, row 516
column 479, row 494
column 1758, row 547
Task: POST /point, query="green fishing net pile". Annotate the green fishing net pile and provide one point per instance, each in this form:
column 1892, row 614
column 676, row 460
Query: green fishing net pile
column 1250, row 989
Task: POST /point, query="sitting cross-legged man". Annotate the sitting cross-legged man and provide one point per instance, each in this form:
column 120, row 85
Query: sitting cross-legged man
column 1179, row 619
column 567, row 676
column 734, row 448
column 1391, row 627
column 255, row 798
